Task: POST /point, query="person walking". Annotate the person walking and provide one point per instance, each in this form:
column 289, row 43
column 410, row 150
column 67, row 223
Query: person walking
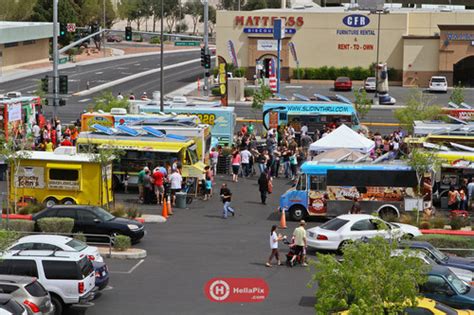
column 263, row 187
column 147, row 188
column 158, row 181
column 141, row 176
column 356, row 208
column 214, row 156
column 300, row 243
column 274, row 238
column 226, row 196
column 235, row 165
column 176, row 181
column 245, row 156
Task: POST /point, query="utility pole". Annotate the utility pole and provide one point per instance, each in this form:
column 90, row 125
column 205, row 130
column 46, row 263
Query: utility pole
column 55, row 58
column 162, row 75
column 103, row 25
column 206, row 45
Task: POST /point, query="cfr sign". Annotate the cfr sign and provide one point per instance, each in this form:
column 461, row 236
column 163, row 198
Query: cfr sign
column 219, row 290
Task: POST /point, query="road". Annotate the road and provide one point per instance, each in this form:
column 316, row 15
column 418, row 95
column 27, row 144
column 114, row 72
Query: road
column 101, row 73
column 196, row 245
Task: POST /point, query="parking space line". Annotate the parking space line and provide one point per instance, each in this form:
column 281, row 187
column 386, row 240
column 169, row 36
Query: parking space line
column 131, row 269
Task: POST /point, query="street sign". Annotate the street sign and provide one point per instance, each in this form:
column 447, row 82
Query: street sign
column 71, row 27
column 62, row 60
column 187, row 43
column 278, row 29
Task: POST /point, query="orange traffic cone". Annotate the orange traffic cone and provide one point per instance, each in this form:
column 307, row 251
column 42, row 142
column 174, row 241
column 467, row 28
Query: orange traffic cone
column 282, row 220
column 170, row 210
column 164, row 212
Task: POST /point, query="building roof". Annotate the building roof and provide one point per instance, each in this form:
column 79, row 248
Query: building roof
column 346, row 9
column 55, row 157
column 22, row 31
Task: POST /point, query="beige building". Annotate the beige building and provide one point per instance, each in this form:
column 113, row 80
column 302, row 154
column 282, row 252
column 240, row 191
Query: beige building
column 22, row 43
column 417, row 42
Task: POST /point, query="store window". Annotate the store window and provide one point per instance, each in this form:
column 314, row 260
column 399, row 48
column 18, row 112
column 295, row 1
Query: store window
column 9, row 45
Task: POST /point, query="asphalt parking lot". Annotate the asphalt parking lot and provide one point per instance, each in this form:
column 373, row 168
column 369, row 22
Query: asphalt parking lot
column 195, row 245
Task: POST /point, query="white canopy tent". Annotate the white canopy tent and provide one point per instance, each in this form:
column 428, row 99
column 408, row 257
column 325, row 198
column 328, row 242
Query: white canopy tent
column 343, row 138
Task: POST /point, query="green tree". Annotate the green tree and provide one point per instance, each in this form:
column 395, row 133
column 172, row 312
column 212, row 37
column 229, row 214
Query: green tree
column 195, row 9
column 252, row 5
column 230, row 4
column 261, row 96
column 14, row 10
column 106, row 101
column 92, row 11
column 368, row 281
column 422, row 162
column 362, row 103
column 418, row 107
column 457, row 96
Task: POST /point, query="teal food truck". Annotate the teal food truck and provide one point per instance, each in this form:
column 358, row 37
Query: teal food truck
column 315, row 115
column 221, row 119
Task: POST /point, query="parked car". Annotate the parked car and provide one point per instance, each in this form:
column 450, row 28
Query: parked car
column 463, row 274
column 438, row 84
column 440, row 257
column 370, row 84
column 9, row 306
column 428, row 307
column 335, row 233
column 114, row 39
column 29, row 292
column 343, row 84
column 68, row 277
column 56, row 242
column 444, row 286
column 101, row 274
column 94, row 220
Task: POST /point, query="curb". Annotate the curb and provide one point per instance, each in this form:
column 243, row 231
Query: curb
column 18, row 216
column 131, row 253
column 448, row 232
column 153, row 218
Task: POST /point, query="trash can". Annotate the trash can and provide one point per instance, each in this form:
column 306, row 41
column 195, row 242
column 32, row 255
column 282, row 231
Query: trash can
column 181, row 200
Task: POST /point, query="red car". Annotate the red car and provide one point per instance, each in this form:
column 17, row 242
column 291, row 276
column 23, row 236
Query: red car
column 343, row 84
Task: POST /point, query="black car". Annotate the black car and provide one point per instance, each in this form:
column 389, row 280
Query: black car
column 94, row 220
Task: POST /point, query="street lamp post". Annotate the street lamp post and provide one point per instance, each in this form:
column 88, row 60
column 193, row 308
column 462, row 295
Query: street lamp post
column 55, row 58
column 377, row 58
column 162, row 76
column 103, row 23
column 206, row 45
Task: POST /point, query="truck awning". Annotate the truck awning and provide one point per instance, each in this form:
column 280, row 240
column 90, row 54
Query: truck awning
column 64, row 166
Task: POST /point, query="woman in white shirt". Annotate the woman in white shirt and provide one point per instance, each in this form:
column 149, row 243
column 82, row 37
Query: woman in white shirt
column 274, row 238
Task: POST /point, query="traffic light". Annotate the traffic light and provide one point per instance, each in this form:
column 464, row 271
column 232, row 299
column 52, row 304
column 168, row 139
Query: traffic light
column 128, row 33
column 45, row 84
column 207, row 61
column 62, row 29
column 63, row 84
column 203, row 56
column 62, row 102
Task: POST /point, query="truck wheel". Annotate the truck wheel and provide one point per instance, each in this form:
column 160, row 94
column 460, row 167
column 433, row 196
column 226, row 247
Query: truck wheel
column 297, row 213
column 68, row 201
column 58, row 305
column 51, row 201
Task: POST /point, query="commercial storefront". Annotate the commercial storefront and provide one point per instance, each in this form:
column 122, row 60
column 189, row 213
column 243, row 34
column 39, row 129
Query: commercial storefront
column 418, row 43
column 22, row 43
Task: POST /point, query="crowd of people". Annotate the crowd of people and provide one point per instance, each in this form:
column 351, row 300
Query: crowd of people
column 53, row 135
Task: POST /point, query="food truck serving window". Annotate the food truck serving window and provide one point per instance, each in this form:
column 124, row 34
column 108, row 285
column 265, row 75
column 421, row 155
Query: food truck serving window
column 57, row 174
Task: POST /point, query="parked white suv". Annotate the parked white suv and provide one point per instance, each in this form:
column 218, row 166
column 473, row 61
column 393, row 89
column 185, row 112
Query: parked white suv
column 438, row 84
column 69, row 277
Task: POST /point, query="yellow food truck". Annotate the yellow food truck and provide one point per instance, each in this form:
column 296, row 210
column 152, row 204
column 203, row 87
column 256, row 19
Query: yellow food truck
column 61, row 177
column 140, row 151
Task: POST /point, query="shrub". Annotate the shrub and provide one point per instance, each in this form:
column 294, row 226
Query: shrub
column 240, row 72
column 458, row 222
column 19, row 225
column 439, row 221
column 132, row 213
column 216, row 91
column 249, row 92
column 309, row 73
column 408, row 218
column 425, row 225
column 449, row 241
column 155, row 40
column 299, row 73
column 31, row 208
column 122, row 243
column 323, row 73
column 119, row 210
column 80, row 237
column 7, row 238
column 56, row 225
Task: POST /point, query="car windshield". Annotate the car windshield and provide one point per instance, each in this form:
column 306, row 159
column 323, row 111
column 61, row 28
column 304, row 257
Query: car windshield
column 334, row 224
column 438, row 254
column 342, row 79
column 370, row 79
column 458, row 284
column 102, row 214
column 442, row 80
column 77, row 245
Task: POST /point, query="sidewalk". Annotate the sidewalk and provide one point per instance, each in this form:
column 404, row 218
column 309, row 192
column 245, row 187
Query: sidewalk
column 91, row 56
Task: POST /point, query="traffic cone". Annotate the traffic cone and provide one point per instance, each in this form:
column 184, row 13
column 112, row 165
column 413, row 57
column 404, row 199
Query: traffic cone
column 164, row 212
column 282, row 220
column 170, row 210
